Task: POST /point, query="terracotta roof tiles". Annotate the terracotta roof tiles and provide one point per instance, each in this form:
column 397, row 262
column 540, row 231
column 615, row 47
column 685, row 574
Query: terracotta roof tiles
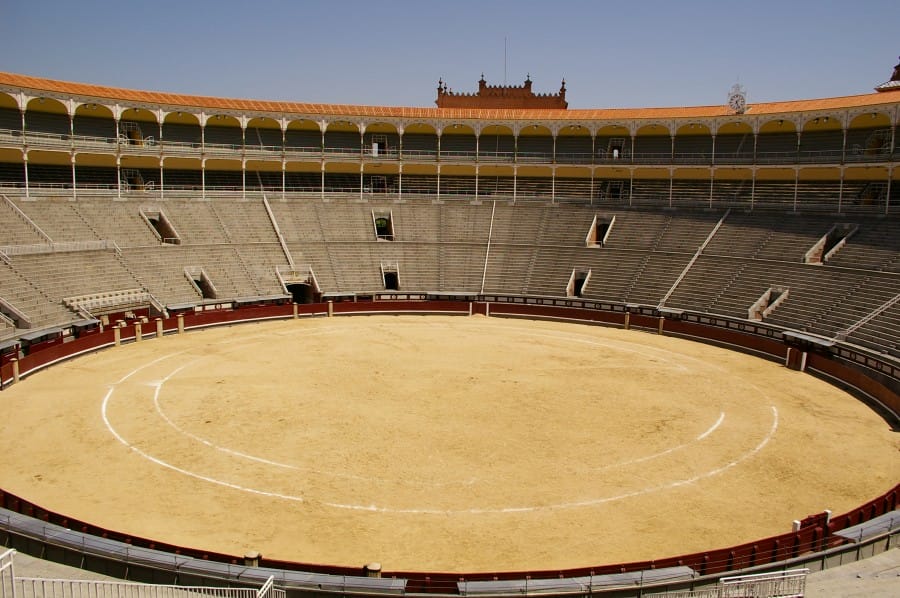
column 174, row 100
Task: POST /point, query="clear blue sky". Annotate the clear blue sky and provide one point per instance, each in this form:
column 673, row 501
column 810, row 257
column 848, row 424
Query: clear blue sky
column 392, row 52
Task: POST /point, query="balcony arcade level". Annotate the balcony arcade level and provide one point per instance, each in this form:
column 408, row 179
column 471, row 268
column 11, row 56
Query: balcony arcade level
column 833, row 154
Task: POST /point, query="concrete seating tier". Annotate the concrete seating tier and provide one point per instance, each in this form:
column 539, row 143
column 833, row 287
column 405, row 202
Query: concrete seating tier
column 456, row 246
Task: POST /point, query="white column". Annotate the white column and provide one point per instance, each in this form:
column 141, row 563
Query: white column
column 887, row 197
column 630, row 184
column 844, row 144
column 592, row 185
column 25, row 162
column 74, row 180
column 553, row 177
column 671, row 185
column 796, row 184
column 841, row 190
column 752, row 187
column 202, row 157
column 515, row 181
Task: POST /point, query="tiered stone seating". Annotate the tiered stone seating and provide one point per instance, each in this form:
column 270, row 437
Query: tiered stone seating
column 29, row 299
column 161, row 271
column 59, row 219
column 874, row 246
column 118, row 221
column 245, row 221
column 612, row 272
column 14, row 230
column 196, row 222
column 442, row 247
column 654, row 277
column 881, row 332
column 768, row 236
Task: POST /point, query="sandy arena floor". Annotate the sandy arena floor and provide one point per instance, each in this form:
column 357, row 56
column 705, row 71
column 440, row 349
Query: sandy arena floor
column 439, row 443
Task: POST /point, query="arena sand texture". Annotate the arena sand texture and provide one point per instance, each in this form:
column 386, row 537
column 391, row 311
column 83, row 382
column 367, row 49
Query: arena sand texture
column 439, row 443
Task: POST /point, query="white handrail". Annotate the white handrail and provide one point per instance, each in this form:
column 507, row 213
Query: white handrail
column 25, row 217
column 487, row 253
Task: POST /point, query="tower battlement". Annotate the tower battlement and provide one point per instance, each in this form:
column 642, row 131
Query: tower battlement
column 501, row 96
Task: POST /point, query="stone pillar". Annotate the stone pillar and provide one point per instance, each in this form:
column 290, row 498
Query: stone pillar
column 372, row 570
column 251, row 559
column 662, row 322
column 138, row 332
column 180, row 323
column 159, row 328
column 15, row 366
column 330, row 308
column 117, row 336
column 295, row 311
column 627, row 320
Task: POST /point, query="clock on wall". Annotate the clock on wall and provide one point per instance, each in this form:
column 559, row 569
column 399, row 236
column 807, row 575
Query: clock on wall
column 737, row 99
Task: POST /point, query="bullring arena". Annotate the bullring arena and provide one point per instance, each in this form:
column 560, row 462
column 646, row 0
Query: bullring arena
column 443, row 443
column 494, row 347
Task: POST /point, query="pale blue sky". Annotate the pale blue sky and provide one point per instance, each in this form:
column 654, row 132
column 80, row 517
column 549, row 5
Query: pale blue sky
column 392, row 52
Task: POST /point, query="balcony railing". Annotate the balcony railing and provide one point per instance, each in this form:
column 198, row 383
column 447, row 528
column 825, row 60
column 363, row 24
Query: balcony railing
column 62, row 141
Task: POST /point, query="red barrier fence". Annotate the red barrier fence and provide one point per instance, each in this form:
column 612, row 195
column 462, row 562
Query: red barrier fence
column 815, row 533
column 854, row 378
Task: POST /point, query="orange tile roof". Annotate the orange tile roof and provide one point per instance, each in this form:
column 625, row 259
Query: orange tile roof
column 99, row 92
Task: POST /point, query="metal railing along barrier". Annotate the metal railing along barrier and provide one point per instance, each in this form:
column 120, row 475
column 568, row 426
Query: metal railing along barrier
column 29, row 587
column 59, row 247
column 7, row 575
column 780, row 584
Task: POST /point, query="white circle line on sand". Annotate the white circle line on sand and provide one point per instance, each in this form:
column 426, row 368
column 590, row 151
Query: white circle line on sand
column 156, row 403
column 618, row 345
column 145, row 366
column 378, row 509
column 668, row 451
column 160, row 462
column 505, row 510
column 584, row 503
column 625, row 346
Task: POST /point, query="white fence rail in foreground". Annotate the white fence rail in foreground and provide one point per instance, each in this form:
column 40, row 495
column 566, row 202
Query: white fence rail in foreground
column 7, row 575
column 28, row 587
column 783, row 584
